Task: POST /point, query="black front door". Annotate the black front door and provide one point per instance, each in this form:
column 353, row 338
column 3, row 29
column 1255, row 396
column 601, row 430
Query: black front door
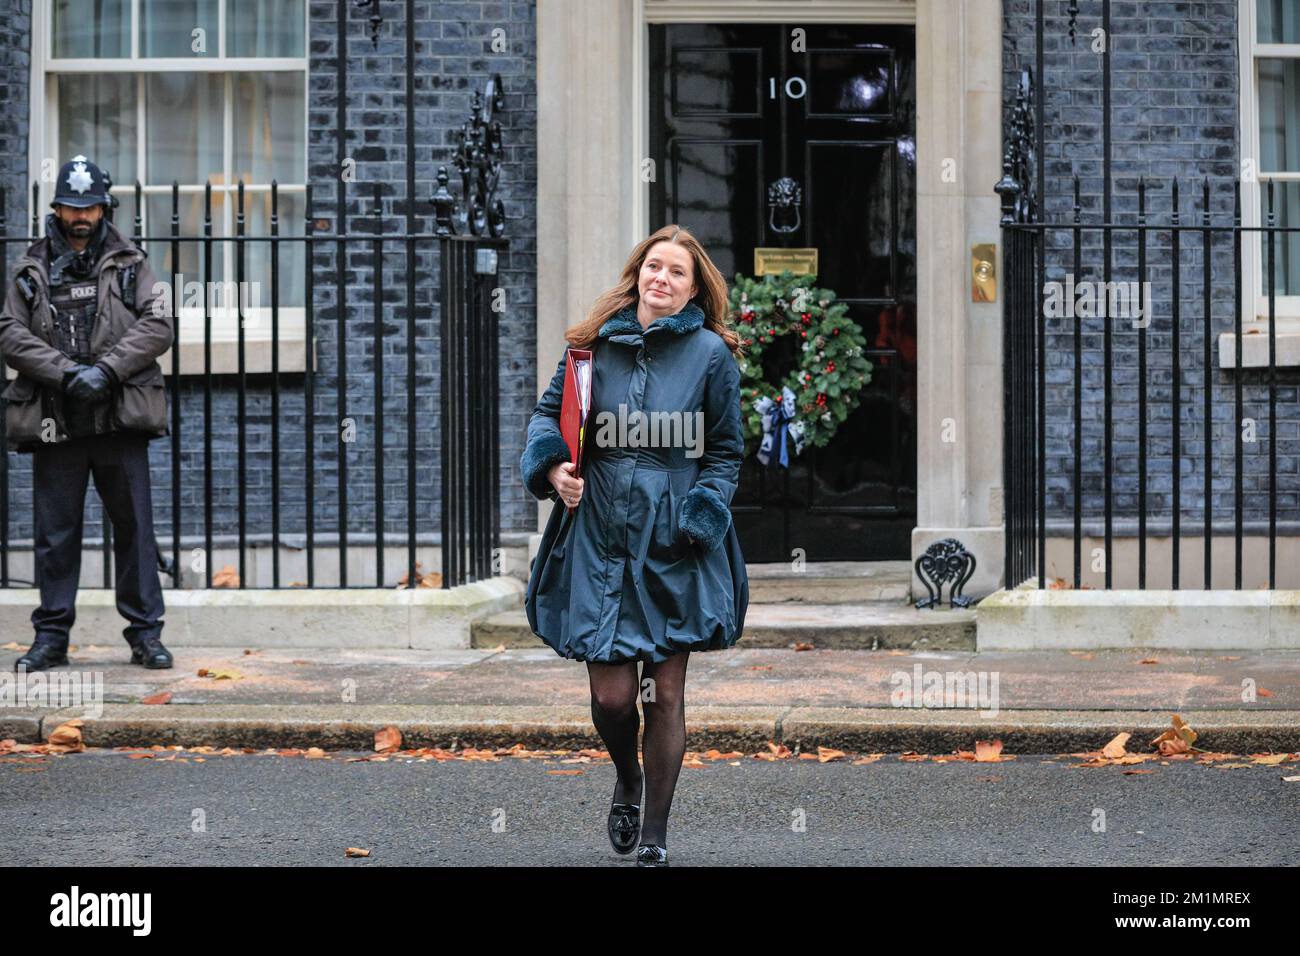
column 734, row 107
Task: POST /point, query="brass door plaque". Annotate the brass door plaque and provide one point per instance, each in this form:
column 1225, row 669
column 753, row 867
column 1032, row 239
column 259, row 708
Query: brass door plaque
column 984, row 275
column 774, row 261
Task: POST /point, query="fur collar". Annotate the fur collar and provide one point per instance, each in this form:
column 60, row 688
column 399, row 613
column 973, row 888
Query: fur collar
column 624, row 321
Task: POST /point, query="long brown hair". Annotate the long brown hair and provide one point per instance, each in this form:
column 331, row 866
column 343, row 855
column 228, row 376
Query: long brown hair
column 710, row 291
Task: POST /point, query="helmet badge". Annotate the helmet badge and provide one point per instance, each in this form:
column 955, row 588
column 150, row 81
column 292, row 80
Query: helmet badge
column 79, row 179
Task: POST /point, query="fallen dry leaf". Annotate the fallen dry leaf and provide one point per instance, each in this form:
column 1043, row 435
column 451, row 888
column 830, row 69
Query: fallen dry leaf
column 162, row 697
column 227, row 577
column 826, row 754
column 1268, row 760
column 388, row 739
column 803, row 646
column 355, row 851
column 775, row 751
column 1149, row 660
column 567, row 773
column 1116, row 747
column 67, row 738
column 988, row 751
column 1177, row 740
column 433, row 579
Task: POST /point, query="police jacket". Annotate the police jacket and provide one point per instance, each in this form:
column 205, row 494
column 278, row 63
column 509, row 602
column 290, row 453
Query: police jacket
column 127, row 339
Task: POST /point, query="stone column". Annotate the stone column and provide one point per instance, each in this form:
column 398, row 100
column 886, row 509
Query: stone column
column 585, row 164
column 959, row 343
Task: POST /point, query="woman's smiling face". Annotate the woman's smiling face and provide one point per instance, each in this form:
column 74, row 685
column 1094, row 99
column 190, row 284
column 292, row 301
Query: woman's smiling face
column 667, row 280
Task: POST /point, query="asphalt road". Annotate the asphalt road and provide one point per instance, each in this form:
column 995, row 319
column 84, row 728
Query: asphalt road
column 102, row 807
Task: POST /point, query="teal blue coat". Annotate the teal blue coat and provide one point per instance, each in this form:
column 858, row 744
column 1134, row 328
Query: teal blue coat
column 649, row 564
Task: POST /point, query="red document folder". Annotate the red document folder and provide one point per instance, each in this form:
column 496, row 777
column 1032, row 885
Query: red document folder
column 575, row 405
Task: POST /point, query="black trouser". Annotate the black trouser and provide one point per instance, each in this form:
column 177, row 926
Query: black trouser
column 119, row 463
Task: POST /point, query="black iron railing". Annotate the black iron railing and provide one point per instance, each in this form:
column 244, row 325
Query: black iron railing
column 464, row 250
column 1152, row 285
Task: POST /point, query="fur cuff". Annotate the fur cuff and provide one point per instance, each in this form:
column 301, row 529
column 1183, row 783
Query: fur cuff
column 540, row 455
column 704, row 517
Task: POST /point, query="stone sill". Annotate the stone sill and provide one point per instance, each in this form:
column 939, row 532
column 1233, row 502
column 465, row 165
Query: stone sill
column 1254, row 345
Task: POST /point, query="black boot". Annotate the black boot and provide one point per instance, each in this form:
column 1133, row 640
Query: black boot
column 150, row 652
column 43, row 654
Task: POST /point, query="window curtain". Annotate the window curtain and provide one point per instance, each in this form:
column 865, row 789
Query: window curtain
column 268, row 127
column 91, row 28
column 1279, row 141
column 183, row 139
column 1277, row 21
column 265, row 28
column 166, row 27
column 97, row 120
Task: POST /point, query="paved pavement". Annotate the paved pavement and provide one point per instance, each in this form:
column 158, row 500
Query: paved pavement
column 857, row 700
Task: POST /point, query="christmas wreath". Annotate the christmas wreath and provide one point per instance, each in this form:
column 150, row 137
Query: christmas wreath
column 811, row 402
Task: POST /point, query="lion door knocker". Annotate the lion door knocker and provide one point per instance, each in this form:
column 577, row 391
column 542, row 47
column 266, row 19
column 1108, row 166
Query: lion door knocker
column 784, row 196
column 944, row 561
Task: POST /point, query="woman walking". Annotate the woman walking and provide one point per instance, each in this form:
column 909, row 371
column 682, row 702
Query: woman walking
column 648, row 567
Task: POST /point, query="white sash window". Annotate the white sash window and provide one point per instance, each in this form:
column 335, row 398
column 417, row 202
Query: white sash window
column 189, row 91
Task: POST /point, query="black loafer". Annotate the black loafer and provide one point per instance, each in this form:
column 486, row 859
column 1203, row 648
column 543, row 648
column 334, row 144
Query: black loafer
column 650, row 854
column 42, row 655
column 624, row 826
column 151, row 653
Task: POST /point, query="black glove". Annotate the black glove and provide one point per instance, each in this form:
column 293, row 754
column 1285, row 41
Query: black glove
column 72, row 373
column 91, row 384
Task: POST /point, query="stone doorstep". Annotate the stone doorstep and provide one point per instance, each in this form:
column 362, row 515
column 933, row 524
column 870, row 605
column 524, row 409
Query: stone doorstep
column 839, row 582
column 819, row 582
column 748, row 729
column 1027, row 618
column 291, row 617
column 828, row 626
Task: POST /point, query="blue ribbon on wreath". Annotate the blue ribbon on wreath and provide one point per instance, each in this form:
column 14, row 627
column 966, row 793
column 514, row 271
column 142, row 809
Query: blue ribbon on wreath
column 777, row 417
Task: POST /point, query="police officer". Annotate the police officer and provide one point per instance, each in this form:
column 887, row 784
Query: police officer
column 83, row 325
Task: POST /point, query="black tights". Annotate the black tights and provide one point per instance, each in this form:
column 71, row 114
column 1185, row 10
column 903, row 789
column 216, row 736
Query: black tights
column 614, row 692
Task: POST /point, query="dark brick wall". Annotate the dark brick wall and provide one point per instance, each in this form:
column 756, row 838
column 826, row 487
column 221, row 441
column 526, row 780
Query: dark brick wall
column 15, row 78
column 1175, row 116
column 454, row 59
